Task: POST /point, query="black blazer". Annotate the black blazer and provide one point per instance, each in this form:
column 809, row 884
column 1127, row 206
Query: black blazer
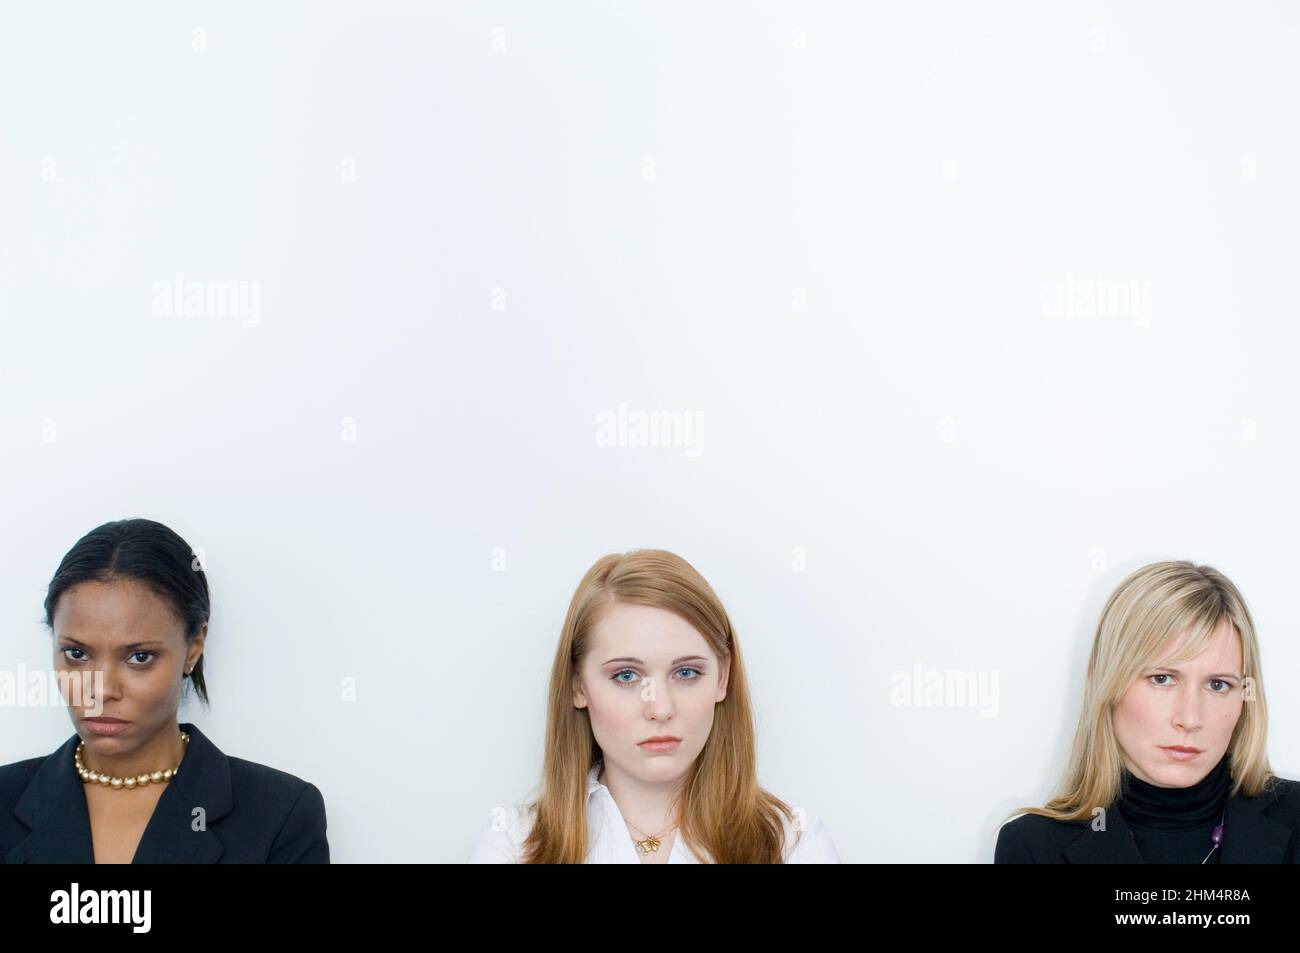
column 1256, row 830
column 255, row 814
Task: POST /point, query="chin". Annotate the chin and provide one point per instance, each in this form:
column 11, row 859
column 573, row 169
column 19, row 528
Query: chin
column 1179, row 775
column 103, row 742
column 661, row 766
column 107, row 744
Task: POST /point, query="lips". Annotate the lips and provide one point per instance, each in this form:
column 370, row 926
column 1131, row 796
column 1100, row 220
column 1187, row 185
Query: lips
column 660, row 744
column 105, row 727
column 1185, row 749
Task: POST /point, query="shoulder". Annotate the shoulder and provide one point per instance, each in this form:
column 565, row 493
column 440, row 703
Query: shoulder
column 14, row 781
column 1283, row 796
column 293, row 806
column 15, row 777
column 807, row 841
column 1278, row 801
column 255, row 787
column 261, row 783
column 1034, row 839
column 1284, row 788
column 268, row 790
column 501, row 839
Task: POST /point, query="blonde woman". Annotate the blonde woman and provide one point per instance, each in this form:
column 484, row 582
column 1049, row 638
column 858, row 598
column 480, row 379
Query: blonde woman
column 649, row 736
column 1169, row 763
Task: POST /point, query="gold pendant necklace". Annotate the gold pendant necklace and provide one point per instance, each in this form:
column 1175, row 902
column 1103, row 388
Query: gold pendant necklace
column 649, row 844
column 129, row 783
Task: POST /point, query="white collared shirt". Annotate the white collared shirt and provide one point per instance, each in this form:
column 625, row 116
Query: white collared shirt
column 610, row 843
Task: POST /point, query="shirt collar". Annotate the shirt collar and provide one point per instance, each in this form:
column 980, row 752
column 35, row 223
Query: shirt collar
column 592, row 784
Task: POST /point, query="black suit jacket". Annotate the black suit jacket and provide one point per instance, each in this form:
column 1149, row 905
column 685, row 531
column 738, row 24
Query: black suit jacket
column 1256, row 830
column 254, row 814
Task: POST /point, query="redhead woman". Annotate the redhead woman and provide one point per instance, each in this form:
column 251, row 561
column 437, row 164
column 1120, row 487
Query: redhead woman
column 649, row 736
column 1169, row 763
column 128, row 609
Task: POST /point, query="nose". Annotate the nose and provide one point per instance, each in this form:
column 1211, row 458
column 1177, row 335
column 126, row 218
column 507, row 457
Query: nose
column 101, row 686
column 658, row 700
column 1187, row 708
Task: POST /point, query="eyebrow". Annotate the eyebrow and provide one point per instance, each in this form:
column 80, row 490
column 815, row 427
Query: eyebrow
column 133, row 645
column 676, row 661
column 1177, row 671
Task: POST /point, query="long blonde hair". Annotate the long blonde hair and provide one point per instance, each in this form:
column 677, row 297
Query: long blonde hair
column 723, row 815
column 1147, row 609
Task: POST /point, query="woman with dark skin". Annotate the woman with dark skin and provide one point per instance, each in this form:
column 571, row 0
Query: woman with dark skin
column 128, row 609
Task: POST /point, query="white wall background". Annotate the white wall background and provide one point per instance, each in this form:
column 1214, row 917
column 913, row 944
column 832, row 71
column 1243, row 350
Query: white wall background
column 830, row 231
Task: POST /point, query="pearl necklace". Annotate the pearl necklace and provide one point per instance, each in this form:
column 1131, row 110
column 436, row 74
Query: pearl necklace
column 119, row 784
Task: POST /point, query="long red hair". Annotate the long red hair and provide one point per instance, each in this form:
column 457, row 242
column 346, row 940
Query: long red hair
column 722, row 813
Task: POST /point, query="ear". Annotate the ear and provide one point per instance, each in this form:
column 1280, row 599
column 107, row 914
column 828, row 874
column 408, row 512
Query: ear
column 195, row 650
column 579, row 696
column 724, row 674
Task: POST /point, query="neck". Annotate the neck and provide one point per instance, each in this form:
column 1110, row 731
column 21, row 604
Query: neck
column 647, row 806
column 164, row 750
column 1148, row 805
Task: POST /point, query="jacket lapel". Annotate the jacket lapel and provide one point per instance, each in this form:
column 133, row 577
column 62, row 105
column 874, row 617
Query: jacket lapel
column 1114, row 845
column 1248, row 836
column 180, row 830
column 54, row 807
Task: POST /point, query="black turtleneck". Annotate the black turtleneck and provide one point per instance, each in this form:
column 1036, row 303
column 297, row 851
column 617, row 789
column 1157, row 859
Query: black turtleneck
column 1174, row 825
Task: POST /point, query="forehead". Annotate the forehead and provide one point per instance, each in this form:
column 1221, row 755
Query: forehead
column 654, row 635
column 124, row 610
column 1222, row 654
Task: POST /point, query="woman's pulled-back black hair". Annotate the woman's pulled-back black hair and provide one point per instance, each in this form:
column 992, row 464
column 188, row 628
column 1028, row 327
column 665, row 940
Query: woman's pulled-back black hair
column 150, row 553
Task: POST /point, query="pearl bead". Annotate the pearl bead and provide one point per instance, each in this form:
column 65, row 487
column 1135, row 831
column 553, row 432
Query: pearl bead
column 116, row 783
column 128, row 783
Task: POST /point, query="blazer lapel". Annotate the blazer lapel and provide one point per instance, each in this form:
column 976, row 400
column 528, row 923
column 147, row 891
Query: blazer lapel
column 54, row 807
column 180, row 830
column 1114, row 845
column 1248, row 836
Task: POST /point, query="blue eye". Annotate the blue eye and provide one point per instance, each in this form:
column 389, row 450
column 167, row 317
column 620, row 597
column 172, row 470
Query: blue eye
column 1161, row 675
column 1227, row 687
column 618, row 676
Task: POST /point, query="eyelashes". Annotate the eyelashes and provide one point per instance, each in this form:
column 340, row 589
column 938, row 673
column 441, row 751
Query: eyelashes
column 617, row 679
column 133, row 655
